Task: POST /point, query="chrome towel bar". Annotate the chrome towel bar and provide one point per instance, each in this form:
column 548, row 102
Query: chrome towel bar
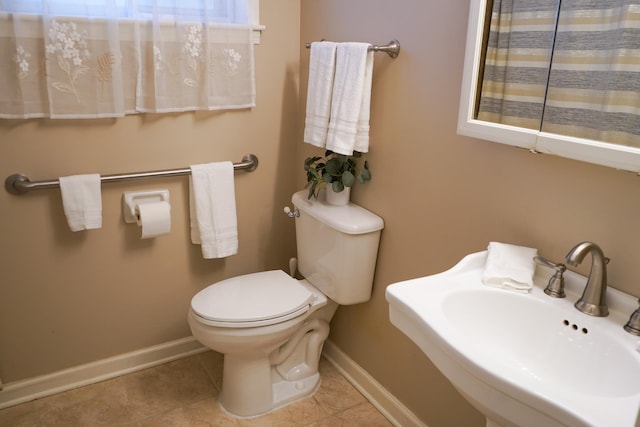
column 392, row 48
column 20, row 184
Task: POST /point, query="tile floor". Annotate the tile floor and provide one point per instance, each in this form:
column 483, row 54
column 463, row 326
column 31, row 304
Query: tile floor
column 184, row 393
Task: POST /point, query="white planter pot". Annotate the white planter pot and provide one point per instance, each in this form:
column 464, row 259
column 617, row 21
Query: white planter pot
column 338, row 199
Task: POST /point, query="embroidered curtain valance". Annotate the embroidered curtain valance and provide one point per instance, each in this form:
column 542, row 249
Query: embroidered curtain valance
column 91, row 67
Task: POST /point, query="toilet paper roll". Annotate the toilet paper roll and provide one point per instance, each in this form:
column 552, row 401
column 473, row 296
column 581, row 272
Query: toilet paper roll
column 154, row 218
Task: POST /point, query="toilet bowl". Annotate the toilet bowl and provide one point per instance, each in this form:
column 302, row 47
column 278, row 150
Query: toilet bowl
column 271, row 327
column 259, row 372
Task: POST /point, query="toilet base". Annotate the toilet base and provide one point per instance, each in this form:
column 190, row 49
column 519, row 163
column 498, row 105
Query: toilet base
column 268, row 367
column 285, row 392
column 251, row 388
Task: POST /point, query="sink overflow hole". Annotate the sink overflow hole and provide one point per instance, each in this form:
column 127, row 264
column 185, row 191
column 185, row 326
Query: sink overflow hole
column 575, row 327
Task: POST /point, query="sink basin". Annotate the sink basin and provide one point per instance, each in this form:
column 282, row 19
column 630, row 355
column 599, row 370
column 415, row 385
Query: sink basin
column 524, row 359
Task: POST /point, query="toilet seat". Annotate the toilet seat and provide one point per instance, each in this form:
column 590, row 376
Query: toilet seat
column 252, row 300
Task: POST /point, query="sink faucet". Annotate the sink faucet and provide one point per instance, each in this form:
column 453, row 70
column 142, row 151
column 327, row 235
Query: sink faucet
column 594, row 298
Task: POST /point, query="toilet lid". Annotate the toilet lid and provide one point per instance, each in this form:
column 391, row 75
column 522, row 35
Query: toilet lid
column 252, row 298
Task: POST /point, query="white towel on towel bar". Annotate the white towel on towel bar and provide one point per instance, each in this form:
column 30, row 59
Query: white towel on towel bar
column 214, row 224
column 322, row 63
column 351, row 99
column 82, row 201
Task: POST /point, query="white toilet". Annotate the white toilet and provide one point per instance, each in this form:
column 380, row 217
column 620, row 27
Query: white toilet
column 271, row 327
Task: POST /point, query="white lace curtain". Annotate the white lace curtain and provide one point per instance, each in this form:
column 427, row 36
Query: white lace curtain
column 108, row 58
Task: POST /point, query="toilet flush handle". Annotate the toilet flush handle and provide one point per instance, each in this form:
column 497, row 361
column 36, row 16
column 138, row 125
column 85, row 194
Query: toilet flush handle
column 291, row 214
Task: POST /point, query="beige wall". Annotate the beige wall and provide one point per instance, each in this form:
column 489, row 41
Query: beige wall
column 70, row 298
column 443, row 196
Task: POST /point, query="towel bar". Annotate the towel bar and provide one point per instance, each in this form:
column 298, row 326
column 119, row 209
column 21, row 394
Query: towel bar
column 20, row 184
column 392, row 48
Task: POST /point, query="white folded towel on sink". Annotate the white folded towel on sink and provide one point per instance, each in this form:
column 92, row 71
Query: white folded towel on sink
column 509, row 267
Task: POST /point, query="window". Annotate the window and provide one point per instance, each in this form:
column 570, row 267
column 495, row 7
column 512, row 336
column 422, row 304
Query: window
column 561, row 77
column 108, row 58
column 222, row 11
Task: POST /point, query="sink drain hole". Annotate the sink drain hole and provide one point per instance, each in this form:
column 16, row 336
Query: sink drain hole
column 575, row 327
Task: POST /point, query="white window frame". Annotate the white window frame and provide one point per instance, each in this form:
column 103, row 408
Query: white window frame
column 254, row 19
column 586, row 150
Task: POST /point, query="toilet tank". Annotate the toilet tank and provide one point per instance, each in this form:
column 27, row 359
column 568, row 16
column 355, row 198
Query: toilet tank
column 337, row 247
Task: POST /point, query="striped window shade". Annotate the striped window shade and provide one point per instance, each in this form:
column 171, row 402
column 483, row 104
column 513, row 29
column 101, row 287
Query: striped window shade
column 591, row 86
column 594, row 84
column 517, row 62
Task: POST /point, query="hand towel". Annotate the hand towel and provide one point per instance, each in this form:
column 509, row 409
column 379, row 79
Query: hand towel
column 82, row 201
column 362, row 131
column 213, row 214
column 350, row 101
column 322, row 62
column 509, row 267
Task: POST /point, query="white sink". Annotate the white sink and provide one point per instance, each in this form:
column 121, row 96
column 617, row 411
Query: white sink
column 524, row 359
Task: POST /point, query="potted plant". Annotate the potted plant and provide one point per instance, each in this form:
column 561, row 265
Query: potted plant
column 337, row 171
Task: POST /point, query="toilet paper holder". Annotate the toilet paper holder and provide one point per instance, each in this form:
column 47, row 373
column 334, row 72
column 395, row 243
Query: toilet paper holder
column 130, row 199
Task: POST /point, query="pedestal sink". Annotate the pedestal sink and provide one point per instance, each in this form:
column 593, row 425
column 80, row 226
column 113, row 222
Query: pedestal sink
column 524, row 359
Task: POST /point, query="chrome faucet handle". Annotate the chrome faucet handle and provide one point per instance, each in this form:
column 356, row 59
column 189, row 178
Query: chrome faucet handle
column 555, row 287
column 633, row 325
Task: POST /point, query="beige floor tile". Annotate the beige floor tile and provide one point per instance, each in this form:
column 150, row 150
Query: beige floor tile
column 297, row 413
column 24, row 415
column 167, row 387
column 335, row 392
column 202, row 414
column 211, row 361
column 98, row 404
column 185, row 393
column 364, row 415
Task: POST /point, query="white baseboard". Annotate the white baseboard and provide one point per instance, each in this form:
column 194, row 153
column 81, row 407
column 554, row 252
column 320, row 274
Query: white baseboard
column 385, row 402
column 22, row 391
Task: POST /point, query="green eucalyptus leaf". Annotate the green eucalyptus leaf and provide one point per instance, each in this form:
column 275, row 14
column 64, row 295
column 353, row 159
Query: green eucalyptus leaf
column 333, row 166
column 336, row 169
column 310, row 161
column 348, row 179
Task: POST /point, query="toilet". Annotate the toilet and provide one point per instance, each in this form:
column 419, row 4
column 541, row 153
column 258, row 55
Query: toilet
column 271, row 327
